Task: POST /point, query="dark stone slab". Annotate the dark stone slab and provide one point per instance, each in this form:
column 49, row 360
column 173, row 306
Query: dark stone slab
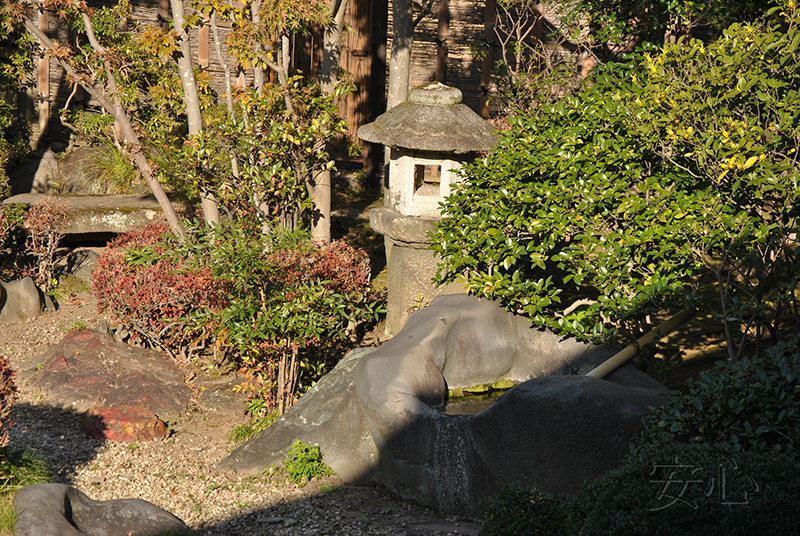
column 61, row 510
column 88, row 368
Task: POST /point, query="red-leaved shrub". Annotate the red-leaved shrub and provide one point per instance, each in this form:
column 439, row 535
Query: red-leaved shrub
column 154, row 295
column 275, row 303
column 45, row 224
column 8, row 394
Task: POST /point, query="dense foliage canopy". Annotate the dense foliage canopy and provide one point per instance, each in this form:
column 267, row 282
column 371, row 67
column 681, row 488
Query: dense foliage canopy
column 663, row 181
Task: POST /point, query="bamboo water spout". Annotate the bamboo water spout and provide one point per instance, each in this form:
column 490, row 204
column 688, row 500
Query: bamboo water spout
column 632, row 350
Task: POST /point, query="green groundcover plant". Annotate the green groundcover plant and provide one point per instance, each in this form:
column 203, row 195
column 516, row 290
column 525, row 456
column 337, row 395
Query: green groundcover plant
column 304, row 462
column 692, row 489
column 670, row 489
column 752, row 405
column 720, row 458
column 517, row 509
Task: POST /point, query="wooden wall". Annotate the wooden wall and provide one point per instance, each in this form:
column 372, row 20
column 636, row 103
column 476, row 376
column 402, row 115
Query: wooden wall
column 464, row 38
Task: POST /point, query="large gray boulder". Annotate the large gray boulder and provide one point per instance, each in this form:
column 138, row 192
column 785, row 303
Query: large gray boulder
column 61, row 510
column 557, row 429
column 327, row 415
column 384, row 417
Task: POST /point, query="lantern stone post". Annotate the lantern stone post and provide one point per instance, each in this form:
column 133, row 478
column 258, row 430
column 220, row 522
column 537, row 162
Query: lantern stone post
column 430, row 136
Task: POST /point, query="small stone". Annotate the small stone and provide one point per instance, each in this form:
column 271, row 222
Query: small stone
column 19, row 300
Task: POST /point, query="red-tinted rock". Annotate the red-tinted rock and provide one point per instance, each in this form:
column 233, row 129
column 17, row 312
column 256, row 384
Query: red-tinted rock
column 128, row 423
column 88, row 368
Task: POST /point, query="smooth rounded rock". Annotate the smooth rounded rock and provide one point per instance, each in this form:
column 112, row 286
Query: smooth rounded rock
column 61, row 510
column 20, row 300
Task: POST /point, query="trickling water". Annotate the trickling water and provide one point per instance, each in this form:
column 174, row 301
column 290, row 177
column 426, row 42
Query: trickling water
column 452, row 479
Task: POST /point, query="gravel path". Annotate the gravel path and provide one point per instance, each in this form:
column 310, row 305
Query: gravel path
column 179, row 474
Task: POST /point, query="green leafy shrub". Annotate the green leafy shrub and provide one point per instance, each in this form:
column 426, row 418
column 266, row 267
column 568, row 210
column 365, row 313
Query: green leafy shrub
column 624, row 21
column 292, row 302
column 304, row 462
column 753, row 405
column 517, row 510
column 552, row 221
column 653, row 184
column 692, row 489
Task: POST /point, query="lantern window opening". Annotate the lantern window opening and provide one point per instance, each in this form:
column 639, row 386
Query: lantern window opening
column 427, row 179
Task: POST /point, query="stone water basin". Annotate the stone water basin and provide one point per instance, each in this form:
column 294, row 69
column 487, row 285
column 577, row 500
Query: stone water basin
column 378, row 416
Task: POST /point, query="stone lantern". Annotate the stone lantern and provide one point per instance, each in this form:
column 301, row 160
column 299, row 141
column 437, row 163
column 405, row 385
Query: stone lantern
column 430, row 136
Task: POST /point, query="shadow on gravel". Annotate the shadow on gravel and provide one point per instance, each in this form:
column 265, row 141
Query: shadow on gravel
column 331, row 509
column 63, row 451
column 345, row 510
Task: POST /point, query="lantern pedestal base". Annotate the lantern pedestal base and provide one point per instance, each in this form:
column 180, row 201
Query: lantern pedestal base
column 410, row 265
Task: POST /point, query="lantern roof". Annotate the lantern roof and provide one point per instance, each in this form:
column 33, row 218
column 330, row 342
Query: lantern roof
column 432, row 119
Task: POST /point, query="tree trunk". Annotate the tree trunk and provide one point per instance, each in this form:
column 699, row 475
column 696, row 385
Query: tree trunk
column 489, row 22
column 258, row 73
column 320, row 188
column 226, row 69
column 191, row 100
column 332, row 47
column 441, row 41
column 400, row 62
column 228, row 83
column 320, row 193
